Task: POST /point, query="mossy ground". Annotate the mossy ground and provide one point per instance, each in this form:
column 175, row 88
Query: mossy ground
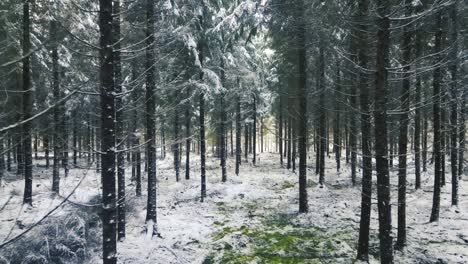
column 278, row 239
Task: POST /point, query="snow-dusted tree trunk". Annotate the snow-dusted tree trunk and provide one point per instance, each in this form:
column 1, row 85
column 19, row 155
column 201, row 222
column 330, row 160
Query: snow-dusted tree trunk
column 119, row 128
column 381, row 136
column 188, row 137
column 27, row 106
column 56, row 113
column 254, row 133
column 366, row 137
column 109, row 236
column 437, row 147
column 150, row 119
column 238, row 135
column 454, row 105
column 403, row 136
column 302, row 129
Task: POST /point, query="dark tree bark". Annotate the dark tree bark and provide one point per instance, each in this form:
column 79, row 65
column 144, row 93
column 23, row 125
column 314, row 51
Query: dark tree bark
column 175, row 144
column 35, row 145
column 437, row 122
column 107, row 134
column 45, row 140
column 188, row 137
column 202, row 123
column 163, row 138
column 453, row 104
column 246, row 140
column 294, row 144
column 336, row 128
column 8, row 164
column 322, row 117
column 366, row 137
column 302, row 133
column 381, row 144
column 238, row 135
column 280, row 130
column 353, row 129
column 403, row 130
column 75, row 137
column 418, row 114
column 27, row 105
column 261, row 134
column 289, row 158
column 119, row 123
column 2, row 159
column 254, row 133
column 223, row 122
column 151, row 220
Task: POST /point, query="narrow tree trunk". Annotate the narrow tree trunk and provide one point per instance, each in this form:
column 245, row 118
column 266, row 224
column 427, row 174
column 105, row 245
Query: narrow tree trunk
column 323, row 128
column 45, row 140
column 107, row 134
column 119, row 123
column 336, row 128
column 289, row 139
column 403, row 137
column 188, row 137
column 381, row 144
column 238, row 135
column 27, row 106
column 302, row 133
column 280, row 130
column 437, row 122
column 75, row 138
column 366, row 137
column 175, row 144
column 246, row 141
column 261, row 135
column 151, row 220
column 417, row 116
column 453, row 104
column 8, row 165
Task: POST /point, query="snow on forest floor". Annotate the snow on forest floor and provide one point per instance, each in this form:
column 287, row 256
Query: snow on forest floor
column 251, row 218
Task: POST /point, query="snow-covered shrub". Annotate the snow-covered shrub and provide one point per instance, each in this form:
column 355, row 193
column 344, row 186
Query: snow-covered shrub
column 69, row 238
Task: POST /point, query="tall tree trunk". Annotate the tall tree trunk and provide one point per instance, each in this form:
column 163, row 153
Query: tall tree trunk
column 45, row 139
column 151, row 220
column 453, row 104
column 322, row 121
column 75, row 137
column 280, row 130
column 223, row 127
column 261, row 134
column 35, row 145
column 8, row 165
column 27, row 106
column 289, row 137
column 188, row 137
column 366, row 137
column 437, row 121
column 302, row 133
column 119, row 123
column 238, row 135
column 294, row 144
column 246, row 140
column 107, row 134
column 381, row 144
column 175, row 144
column 202, row 123
column 254, row 132
column 403, row 137
column 417, row 117
column 336, row 128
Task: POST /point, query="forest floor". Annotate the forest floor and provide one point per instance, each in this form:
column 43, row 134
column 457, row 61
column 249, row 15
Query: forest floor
column 252, row 218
